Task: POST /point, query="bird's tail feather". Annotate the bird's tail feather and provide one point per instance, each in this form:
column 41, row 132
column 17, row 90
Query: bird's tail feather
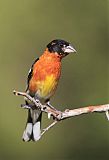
column 33, row 127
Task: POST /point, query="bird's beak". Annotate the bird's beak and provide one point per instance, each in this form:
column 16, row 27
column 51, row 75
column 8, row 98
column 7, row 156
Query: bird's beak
column 69, row 49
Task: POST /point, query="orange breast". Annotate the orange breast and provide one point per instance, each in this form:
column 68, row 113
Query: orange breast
column 46, row 74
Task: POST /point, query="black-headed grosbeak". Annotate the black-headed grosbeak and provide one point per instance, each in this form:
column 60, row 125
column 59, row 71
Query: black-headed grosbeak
column 42, row 82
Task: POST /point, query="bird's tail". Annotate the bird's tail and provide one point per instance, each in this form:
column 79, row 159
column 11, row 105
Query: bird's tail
column 33, row 127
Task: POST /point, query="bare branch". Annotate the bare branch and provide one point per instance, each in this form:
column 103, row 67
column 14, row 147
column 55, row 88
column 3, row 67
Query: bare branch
column 107, row 115
column 83, row 110
column 59, row 115
column 50, row 126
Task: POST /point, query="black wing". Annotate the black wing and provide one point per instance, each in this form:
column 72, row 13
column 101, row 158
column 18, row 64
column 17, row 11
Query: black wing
column 30, row 73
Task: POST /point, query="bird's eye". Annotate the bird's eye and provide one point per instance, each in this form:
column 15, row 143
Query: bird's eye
column 61, row 45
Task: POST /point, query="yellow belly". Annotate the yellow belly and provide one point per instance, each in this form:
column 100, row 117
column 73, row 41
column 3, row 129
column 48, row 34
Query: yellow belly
column 46, row 88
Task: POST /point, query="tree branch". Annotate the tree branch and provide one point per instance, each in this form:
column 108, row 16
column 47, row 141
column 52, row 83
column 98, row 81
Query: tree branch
column 59, row 115
column 51, row 125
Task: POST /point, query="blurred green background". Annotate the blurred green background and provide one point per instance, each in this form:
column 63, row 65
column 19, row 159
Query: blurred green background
column 26, row 27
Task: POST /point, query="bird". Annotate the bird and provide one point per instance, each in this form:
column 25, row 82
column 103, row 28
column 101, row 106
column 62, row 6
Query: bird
column 42, row 81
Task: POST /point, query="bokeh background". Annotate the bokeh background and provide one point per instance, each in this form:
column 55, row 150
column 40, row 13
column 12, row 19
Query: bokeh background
column 26, row 27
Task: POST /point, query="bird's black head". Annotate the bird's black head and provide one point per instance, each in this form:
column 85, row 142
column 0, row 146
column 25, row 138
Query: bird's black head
column 61, row 47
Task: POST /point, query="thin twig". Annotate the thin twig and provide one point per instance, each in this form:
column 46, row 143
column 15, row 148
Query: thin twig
column 50, row 126
column 107, row 115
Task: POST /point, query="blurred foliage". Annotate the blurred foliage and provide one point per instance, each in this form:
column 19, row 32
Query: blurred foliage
column 26, row 27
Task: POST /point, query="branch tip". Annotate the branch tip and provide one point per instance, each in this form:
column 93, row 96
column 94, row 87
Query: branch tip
column 107, row 115
column 15, row 92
